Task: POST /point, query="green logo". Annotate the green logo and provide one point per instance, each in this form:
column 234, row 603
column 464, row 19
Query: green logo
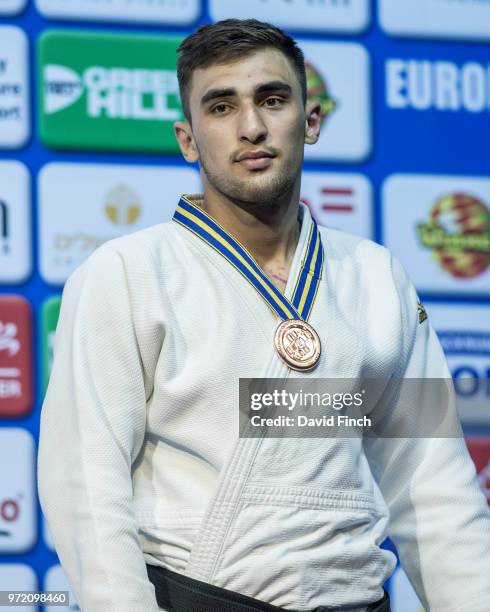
column 109, row 91
column 49, row 319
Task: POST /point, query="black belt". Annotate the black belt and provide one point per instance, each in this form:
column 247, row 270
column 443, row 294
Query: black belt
column 178, row 593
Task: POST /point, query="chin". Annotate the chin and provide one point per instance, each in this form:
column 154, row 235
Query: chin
column 271, row 188
column 258, row 188
column 263, row 196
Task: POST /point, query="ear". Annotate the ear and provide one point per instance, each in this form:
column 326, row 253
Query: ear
column 185, row 138
column 313, row 122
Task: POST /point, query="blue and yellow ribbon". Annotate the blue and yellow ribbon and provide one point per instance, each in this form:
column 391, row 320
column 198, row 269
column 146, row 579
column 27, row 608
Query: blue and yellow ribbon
column 195, row 219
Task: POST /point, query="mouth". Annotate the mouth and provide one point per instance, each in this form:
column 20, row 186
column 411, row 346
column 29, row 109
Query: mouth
column 257, row 160
column 258, row 163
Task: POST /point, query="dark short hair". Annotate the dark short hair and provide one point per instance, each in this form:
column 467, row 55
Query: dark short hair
column 228, row 40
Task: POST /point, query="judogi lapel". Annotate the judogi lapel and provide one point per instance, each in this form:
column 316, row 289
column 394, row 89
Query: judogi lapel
column 297, row 303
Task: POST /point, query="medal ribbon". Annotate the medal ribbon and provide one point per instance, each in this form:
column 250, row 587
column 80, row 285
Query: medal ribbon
column 192, row 217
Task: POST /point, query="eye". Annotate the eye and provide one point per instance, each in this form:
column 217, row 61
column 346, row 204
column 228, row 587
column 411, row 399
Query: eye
column 273, row 102
column 219, row 109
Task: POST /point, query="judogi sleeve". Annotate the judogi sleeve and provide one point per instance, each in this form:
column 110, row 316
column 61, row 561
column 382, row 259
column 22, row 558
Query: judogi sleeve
column 439, row 517
column 92, row 428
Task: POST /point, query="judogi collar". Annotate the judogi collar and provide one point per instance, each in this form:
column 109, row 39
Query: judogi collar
column 296, row 342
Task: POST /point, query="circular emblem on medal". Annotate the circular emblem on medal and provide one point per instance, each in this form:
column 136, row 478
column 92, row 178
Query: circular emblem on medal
column 298, row 344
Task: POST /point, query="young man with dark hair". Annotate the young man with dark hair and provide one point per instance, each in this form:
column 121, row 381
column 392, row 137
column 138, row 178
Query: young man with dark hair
column 154, row 501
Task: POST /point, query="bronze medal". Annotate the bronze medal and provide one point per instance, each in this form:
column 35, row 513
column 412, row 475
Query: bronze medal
column 298, row 344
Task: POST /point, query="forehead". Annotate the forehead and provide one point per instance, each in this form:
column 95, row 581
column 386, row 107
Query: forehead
column 244, row 74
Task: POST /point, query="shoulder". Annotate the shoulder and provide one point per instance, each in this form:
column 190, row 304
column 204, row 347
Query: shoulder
column 129, row 267
column 378, row 276
column 144, row 243
column 134, row 248
column 353, row 250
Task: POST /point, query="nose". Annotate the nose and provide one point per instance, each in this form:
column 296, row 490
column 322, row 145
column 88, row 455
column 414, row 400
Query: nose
column 251, row 127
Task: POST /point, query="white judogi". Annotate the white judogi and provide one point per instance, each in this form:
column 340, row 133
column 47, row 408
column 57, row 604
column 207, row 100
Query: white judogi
column 139, row 447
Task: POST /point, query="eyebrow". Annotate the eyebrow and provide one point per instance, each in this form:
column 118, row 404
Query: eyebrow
column 271, row 86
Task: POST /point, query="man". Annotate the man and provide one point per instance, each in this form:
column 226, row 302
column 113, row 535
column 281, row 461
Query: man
column 142, row 473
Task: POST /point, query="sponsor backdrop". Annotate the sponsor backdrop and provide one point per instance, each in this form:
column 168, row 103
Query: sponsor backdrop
column 88, row 96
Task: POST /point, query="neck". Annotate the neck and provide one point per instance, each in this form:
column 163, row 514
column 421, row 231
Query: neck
column 269, row 233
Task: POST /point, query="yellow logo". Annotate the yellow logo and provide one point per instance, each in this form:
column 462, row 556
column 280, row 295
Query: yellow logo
column 122, row 205
column 422, row 312
column 458, row 233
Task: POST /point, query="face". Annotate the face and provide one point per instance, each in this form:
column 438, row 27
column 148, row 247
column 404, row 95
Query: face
column 249, row 126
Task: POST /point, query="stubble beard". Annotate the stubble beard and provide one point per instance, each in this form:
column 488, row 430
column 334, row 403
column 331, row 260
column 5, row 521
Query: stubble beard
column 268, row 194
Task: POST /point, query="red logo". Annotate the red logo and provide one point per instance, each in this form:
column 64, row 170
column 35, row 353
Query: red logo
column 16, row 385
column 332, row 199
column 9, row 513
column 480, row 452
